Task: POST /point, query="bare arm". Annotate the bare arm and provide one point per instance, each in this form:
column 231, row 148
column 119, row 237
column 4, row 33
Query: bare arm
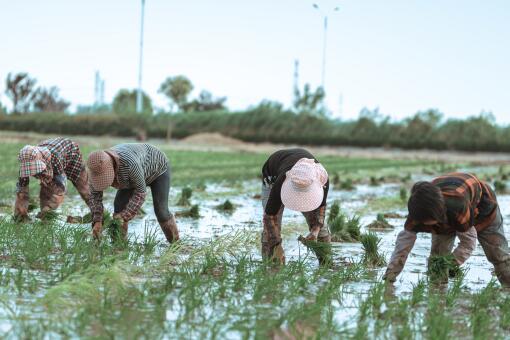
column 403, row 245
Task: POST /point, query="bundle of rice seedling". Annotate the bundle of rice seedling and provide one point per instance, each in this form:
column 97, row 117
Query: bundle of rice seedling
column 347, row 184
column 334, row 211
column 48, row 216
column 321, row 249
column 403, row 194
column 344, row 229
column 193, row 212
column 370, row 243
column 226, row 206
column 113, row 227
column 380, row 223
column 441, row 267
column 184, row 200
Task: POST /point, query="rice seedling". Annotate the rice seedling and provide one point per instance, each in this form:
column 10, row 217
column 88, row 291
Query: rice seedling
column 504, row 315
column 370, row 242
column 32, row 204
column 437, row 325
column 321, row 249
column 441, row 267
column 481, row 305
column 374, row 181
column 334, row 211
column 184, row 199
column 380, row 223
column 226, row 207
column 418, row 294
column 48, row 216
column 403, row 194
column 500, row 186
column 346, row 184
column 193, row 212
column 344, row 229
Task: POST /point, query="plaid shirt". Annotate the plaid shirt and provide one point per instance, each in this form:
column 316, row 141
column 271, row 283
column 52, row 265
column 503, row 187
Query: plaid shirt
column 62, row 156
column 469, row 202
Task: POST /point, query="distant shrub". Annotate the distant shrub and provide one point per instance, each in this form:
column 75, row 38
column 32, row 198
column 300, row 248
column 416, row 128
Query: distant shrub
column 271, row 123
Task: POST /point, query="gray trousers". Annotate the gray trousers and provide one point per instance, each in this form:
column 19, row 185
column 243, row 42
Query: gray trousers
column 493, row 242
column 159, row 188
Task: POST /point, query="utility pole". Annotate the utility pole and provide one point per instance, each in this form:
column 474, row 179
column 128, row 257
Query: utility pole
column 296, row 79
column 324, row 44
column 139, row 98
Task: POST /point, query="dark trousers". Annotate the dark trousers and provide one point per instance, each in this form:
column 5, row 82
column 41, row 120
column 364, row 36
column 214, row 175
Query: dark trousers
column 159, row 188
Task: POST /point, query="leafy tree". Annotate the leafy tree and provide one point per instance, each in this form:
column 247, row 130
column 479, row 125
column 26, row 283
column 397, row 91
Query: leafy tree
column 177, row 89
column 3, row 109
column 309, row 102
column 47, row 100
column 205, row 102
column 20, row 89
column 125, row 102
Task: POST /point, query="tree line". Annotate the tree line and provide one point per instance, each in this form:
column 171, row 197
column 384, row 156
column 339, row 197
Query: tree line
column 27, row 97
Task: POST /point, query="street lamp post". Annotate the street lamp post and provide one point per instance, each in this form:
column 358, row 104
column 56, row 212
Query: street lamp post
column 139, row 98
column 325, row 40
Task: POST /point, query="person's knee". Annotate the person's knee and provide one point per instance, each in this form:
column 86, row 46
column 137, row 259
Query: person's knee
column 162, row 213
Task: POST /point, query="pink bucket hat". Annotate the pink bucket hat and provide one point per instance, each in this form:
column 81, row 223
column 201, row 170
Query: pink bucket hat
column 303, row 188
column 101, row 172
column 33, row 160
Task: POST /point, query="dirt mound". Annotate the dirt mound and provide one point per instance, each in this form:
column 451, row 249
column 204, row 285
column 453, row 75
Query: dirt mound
column 212, row 139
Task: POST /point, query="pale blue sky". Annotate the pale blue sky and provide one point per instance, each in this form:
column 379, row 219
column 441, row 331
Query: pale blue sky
column 399, row 55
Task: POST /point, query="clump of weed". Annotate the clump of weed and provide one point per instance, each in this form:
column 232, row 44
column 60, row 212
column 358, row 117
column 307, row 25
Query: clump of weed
column 184, row 200
column 193, row 212
column 403, row 194
column 499, row 186
column 380, row 223
column 441, row 267
column 227, row 207
column 334, row 211
column 345, row 229
column 374, row 181
column 370, row 242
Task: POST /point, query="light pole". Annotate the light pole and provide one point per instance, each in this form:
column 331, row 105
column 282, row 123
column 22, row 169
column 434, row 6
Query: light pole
column 139, row 98
column 325, row 18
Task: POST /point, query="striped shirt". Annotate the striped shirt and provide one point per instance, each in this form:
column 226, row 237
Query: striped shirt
column 138, row 166
column 65, row 159
column 469, row 202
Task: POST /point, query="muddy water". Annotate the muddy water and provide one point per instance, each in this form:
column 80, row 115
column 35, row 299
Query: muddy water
column 248, row 215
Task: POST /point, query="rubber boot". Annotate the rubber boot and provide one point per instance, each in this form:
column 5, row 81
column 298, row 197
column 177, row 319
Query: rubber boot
column 21, row 205
column 170, row 230
column 503, row 273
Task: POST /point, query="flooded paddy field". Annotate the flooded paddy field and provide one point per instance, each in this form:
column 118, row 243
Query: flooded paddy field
column 56, row 282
